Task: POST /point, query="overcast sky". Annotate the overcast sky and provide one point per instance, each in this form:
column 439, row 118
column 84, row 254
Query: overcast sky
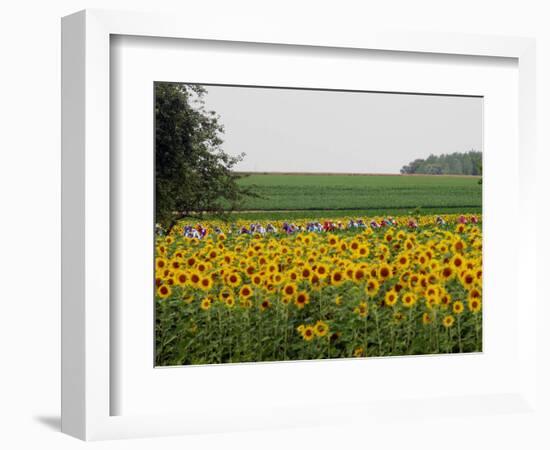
column 286, row 130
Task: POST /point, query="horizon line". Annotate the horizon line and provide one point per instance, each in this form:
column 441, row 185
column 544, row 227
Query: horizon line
column 265, row 172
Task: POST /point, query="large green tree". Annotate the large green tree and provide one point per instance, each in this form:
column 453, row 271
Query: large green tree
column 192, row 172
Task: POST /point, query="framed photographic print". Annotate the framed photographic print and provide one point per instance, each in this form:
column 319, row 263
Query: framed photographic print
column 327, row 236
column 282, row 230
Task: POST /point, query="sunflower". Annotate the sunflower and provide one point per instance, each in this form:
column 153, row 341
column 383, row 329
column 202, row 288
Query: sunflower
column 277, row 278
column 160, row 262
column 458, row 307
column 315, row 281
column 224, row 294
column 205, row 283
column 445, row 300
column 372, row 287
column 336, row 278
column 302, row 299
column 409, row 244
column 474, row 293
column 468, row 278
column 308, row 333
column 474, row 304
column 390, row 298
column 230, row 301
column 164, row 291
column 181, row 278
column 245, row 291
column 458, row 245
column 403, row 260
column 174, row 264
column 306, row 272
column 431, row 291
column 408, row 299
column 233, row 279
column 358, row 352
column 293, row 275
column 426, row 318
column 321, row 270
column 422, row 259
column 362, row 309
column 265, row 305
column 447, row 272
column 457, row 261
column 321, row 328
column 289, row 290
column 414, row 281
column 448, row 321
column 384, row 271
column 257, row 280
column 206, row 303
column 286, row 300
column 359, row 275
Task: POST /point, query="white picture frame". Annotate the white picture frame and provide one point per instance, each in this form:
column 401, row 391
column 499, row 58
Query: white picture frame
column 87, row 386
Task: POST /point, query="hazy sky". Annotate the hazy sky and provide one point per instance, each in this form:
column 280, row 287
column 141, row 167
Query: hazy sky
column 325, row 131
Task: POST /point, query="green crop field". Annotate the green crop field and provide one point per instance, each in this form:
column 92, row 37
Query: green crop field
column 299, row 195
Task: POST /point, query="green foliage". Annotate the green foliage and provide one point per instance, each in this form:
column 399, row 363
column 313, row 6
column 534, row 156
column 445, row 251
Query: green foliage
column 469, row 163
column 192, row 172
column 366, row 193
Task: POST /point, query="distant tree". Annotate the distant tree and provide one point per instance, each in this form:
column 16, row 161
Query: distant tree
column 468, row 163
column 192, row 172
column 434, row 169
column 412, row 167
column 455, row 165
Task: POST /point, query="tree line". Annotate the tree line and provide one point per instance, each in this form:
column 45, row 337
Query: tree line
column 467, row 163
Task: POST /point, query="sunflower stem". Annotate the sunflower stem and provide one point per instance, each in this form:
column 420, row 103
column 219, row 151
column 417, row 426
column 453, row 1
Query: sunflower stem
column 230, row 338
column 221, row 337
column 459, row 334
column 378, row 331
column 436, row 323
column 478, row 343
column 409, row 330
column 286, row 333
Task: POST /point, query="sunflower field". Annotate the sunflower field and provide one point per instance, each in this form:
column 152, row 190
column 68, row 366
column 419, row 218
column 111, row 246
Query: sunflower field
column 229, row 297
